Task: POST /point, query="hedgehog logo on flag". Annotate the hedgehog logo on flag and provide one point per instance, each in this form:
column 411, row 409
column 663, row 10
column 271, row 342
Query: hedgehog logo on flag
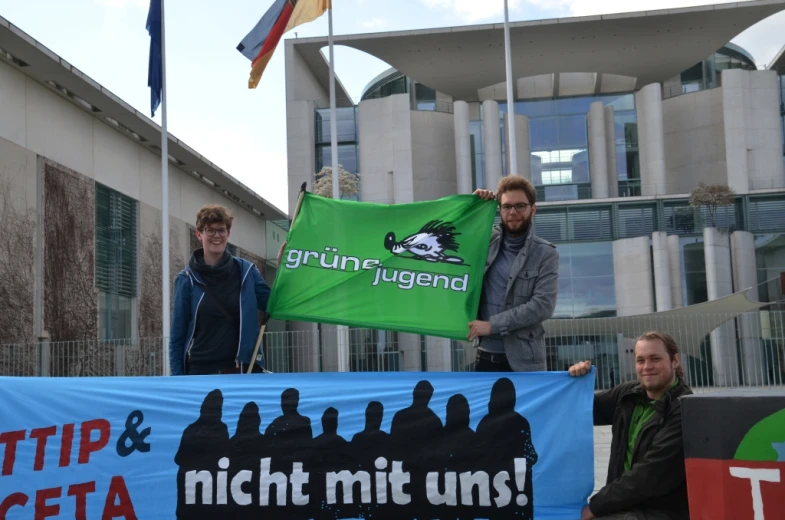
column 429, row 243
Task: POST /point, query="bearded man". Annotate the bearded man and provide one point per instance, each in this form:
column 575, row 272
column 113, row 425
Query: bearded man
column 520, row 285
column 646, row 471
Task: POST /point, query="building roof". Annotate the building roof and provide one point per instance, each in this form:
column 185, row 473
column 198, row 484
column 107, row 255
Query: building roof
column 22, row 52
column 778, row 63
column 649, row 46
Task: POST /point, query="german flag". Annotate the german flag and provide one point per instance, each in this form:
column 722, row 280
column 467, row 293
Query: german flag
column 284, row 15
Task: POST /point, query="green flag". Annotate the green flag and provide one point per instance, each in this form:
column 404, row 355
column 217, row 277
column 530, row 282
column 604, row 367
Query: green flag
column 408, row 267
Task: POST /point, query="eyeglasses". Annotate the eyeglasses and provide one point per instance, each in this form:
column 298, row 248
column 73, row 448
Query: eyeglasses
column 520, row 207
column 210, row 232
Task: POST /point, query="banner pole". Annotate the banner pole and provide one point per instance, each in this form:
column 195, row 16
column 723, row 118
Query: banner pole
column 165, row 281
column 266, row 317
column 513, row 153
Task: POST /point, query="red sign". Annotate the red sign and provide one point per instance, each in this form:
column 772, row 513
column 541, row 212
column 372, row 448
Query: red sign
column 735, row 489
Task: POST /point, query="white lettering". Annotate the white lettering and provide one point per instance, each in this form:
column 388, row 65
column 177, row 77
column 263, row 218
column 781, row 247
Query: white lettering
column 435, row 497
column 370, row 263
column 293, row 258
column 500, row 485
column 195, row 478
column 240, row 497
column 267, row 480
column 471, row 479
column 298, row 480
column 398, row 478
column 347, row 479
column 756, row 476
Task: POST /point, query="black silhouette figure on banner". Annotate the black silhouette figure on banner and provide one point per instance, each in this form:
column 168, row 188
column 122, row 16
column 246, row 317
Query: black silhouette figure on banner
column 370, row 445
column 248, row 447
column 503, row 426
column 330, row 452
column 467, row 468
column 290, row 437
column 459, row 444
column 202, row 445
column 418, row 426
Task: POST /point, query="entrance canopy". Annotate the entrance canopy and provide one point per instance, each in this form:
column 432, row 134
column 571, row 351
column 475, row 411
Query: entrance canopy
column 688, row 325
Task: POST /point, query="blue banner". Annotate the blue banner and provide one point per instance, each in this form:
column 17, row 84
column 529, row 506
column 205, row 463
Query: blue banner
column 297, row 446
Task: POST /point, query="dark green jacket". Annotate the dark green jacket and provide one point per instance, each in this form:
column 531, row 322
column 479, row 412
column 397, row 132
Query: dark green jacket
column 657, row 479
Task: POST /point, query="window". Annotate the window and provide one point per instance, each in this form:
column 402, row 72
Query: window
column 636, row 220
column 558, row 131
column 586, row 282
column 116, row 239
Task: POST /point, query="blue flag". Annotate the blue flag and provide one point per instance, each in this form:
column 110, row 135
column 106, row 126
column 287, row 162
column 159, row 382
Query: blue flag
column 307, row 446
column 155, row 65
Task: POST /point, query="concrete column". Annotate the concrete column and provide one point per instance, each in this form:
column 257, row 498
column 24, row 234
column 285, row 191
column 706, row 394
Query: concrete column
column 492, row 141
column 610, row 147
column 409, row 347
column 438, row 354
column 674, row 263
column 463, row 149
column 632, row 276
column 745, row 277
column 634, row 292
column 335, row 348
column 598, row 153
column 751, row 122
column 651, row 139
column 662, row 271
column 522, row 145
column 719, row 283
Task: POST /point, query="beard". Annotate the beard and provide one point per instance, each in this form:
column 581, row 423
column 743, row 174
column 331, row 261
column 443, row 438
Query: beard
column 660, row 383
column 518, row 227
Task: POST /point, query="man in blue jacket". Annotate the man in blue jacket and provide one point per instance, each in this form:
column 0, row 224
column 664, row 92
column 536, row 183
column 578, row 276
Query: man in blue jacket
column 217, row 297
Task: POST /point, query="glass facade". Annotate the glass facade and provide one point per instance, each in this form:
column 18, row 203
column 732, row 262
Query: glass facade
column 586, row 288
column 116, row 245
column 346, row 126
column 584, row 236
column 559, row 141
column 708, row 73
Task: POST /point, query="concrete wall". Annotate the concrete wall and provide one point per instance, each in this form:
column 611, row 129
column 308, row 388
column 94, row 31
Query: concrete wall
column 694, row 140
column 385, row 132
column 433, row 155
column 40, row 121
column 753, row 135
column 303, row 92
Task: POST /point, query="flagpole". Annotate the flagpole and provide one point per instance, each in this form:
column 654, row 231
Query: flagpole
column 165, row 201
column 511, row 150
column 340, row 341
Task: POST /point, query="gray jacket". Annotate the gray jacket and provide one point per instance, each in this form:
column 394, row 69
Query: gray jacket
column 532, row 288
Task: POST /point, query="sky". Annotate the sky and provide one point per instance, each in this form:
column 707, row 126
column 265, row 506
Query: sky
column 210, row 107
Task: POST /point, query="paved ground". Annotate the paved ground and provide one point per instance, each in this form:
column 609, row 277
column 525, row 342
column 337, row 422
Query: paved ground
column 602, row 448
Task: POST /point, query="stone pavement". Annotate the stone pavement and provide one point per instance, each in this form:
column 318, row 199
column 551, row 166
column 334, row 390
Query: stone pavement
column 602, row 451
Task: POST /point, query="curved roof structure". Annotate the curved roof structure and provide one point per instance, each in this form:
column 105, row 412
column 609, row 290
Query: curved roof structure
column 650, row 46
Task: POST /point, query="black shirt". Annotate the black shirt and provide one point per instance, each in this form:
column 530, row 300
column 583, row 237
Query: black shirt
column 216, row 336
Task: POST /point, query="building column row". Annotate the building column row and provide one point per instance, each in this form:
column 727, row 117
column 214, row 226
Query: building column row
column 492, row 145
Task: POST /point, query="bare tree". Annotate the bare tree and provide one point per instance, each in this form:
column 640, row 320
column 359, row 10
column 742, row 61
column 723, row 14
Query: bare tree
column 17, row 277
column 712, row 196
column 70, row 298
column 18, row 355
column 348, row 183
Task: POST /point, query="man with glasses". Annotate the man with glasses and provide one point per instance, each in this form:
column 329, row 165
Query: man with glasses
column 217, row 297
column 519, row 288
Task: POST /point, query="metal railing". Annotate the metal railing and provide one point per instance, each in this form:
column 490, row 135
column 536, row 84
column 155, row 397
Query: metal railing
column 718, row 350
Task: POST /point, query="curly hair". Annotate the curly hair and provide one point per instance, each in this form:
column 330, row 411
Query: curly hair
column 213, row 214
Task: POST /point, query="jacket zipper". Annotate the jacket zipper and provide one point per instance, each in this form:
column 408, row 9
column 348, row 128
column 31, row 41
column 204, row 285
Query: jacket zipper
column 240, row 334
column 191, row 339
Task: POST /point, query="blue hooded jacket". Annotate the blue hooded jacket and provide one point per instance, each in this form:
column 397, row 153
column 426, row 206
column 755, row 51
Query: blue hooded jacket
column 188, row 294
